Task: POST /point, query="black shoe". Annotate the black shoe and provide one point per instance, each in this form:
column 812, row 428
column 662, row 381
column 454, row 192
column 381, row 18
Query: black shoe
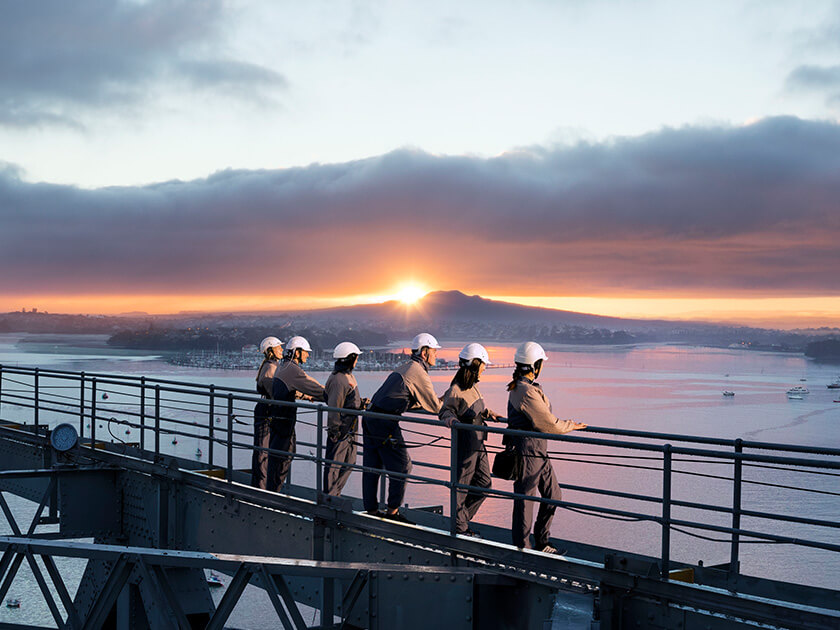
column 377, row 513
column 549, row 548
column 399, row 518
column 471, row 533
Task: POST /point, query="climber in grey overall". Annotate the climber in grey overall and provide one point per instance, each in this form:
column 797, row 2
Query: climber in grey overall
column 290, row 383
column 530, row 410
column 342, row 391
column 463, row 403
column 272, row 351
column 406, row 388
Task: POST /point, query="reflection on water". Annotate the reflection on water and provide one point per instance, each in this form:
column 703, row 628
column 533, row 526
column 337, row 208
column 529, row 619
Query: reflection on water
column 675, row 389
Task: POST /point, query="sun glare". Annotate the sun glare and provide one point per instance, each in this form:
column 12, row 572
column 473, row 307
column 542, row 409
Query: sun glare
column 409, row 294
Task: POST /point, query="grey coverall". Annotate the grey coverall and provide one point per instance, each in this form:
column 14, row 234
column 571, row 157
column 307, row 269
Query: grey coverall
column 342, row 391
column 529, row 410
column 406, row 388
column 290, row 382
column 467, row 407
column 262, row 423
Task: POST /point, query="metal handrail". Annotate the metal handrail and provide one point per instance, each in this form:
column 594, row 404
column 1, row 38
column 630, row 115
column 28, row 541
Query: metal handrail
column 224, row 436
column 250, row 396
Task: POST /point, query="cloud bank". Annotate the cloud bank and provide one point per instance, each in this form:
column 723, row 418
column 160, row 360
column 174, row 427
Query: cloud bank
column 700, row 211
column 62, row 60
column 819, row 79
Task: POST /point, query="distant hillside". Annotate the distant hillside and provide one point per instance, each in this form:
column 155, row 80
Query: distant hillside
column 824, row 350
column 57, row 323
column 454, row 306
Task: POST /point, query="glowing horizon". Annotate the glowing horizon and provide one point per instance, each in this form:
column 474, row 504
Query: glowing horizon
column 775, row 312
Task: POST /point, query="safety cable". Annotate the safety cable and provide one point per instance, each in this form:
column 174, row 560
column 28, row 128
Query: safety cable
column 729, row 540
column 598, row 515
column 439, row 438
column 416, row 481
column 576, row 460
column 203, row 405
column 434, row 442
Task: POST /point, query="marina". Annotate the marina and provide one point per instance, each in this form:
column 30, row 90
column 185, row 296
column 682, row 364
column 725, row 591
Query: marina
column 371, row 361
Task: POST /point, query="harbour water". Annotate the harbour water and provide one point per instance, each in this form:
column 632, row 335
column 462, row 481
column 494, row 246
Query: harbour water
column 675, row 389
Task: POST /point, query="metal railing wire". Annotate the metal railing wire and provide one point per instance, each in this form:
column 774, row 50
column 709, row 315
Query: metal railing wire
column 149, row 404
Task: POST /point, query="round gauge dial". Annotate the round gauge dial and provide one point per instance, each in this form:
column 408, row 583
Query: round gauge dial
column 64, row 437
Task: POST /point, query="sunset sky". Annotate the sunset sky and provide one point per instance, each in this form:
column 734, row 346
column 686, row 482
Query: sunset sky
column 636, row 158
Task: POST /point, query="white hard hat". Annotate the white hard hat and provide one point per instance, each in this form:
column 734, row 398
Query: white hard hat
column 474, row 351
column 424, row 339
column 529, row 353
column 269, row 342
column 345, row 349
column 298, row 342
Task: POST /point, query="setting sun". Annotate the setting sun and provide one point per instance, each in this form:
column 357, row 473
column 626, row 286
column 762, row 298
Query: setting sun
column 410, row 293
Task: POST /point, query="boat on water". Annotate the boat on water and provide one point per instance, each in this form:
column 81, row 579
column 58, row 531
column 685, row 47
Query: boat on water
column 727, row 393
column 795, row 397
column 12, row 603
column 214, row 581
column 798, row 390
column 174, row 440
column 104, row 396
column 198, row 452
column 835, row 384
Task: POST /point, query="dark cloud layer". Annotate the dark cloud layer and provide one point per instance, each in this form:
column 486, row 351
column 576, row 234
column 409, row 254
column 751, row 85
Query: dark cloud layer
column 60, row 59
column 820, row 79
column 753, row 209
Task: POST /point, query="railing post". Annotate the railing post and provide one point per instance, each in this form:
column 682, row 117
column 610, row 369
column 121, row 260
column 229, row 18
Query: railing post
column 142, row 413
column 37, row 398
column 736, row 509
column 157, row 422
column 319, row 454
column 229, row 473
column 93, row 412
column 82, row 405
column 666, row 511
column 211, row 411
column 1, row 386
column 453, row 481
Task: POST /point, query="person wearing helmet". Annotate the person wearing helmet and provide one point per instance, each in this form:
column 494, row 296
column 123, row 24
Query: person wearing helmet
column 272, row 351
column 406, row 388
column 463, row 403
column 290, row 382
column 530, row 410
column 342, row 392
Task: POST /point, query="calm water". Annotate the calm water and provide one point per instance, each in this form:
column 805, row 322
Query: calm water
column 674, row 389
